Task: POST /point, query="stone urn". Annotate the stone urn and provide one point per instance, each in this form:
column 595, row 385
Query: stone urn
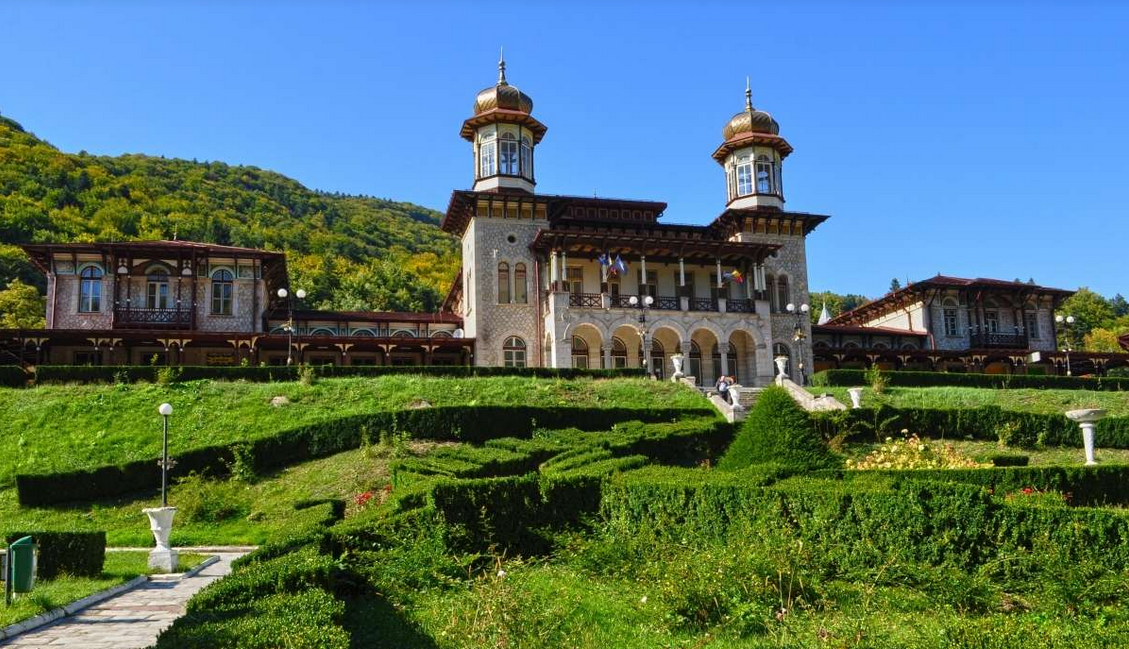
column 1086, row 419
column 856, row 397
column 162, row 558
column 677, row 360
column 781, row 366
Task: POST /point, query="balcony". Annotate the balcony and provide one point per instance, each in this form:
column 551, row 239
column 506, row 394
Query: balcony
column 128, row 318
column 585, row 300
column 740, row 306
column 996, row 340
column 703, row 304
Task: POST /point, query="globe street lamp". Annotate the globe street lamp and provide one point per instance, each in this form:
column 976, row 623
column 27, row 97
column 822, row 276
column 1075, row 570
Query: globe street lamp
column 642, row 305
column 289, row 326
column 163, row 558
column 798, row 335
column 1069, row 320
column 165, row 409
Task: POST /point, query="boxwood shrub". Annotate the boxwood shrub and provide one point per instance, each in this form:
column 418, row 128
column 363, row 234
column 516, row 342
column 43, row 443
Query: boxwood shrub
column 778, row 431
column 80, row 554
column 909, row 379
column 1088, row 485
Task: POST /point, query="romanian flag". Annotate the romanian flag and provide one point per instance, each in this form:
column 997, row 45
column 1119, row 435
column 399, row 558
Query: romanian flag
column 734, row 275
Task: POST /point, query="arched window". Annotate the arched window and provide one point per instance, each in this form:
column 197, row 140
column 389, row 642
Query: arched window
column 90, row 290
column 364, row 333
column 880, row 346
column 486, row 155
column 991, row 317
column 744, row 175
column 766, row 175
column 821, row 344
column 951, row 318
column 521, row 292
column 619, row 353
column 780, row 349
column 579, row 352
column 507, row 158
column 656, row 360
column 157, row 295
column 783, row 297
column 526, row 157
column 403, row 333
column 850, row 345
column 503, row 283
column 322, row 331
column 909, row 347
column 770, row 288
column 221, row 292
column 513, row 352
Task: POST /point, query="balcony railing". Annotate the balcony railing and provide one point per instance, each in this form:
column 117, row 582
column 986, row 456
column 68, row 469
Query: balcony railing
column 667, row 304
column 997, row 340
column 585, row 300
column 703, row 304
column 174, row 318
column 740, row 306
column 621, row 301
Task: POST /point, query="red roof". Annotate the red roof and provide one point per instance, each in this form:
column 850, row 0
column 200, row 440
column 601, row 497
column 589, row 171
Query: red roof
column 856, row 329
column 371, row 316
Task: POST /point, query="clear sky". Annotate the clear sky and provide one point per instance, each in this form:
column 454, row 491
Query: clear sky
column 966, row 138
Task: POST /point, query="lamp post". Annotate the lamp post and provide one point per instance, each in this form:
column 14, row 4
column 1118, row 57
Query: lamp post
column 643, row 305
column 165, row 409
column 289, row 326
column 798, row 335
column 1069, row 338
column 163, row 558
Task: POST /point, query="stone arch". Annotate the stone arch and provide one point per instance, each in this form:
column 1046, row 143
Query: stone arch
column 671, row 324
column 601, row 328
column 709, row 326
column 628, row 334
column 591, row 339
column 707, row 339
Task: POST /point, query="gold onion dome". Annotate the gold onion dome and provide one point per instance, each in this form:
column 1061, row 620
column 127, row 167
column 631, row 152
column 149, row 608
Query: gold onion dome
column 750, row 120
column 502, row 95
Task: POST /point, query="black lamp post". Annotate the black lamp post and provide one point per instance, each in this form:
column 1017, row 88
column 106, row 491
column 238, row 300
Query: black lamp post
column 289, row 326
column 643, row 305
column 165, row 409
column 1069, row 338
column 798, row 336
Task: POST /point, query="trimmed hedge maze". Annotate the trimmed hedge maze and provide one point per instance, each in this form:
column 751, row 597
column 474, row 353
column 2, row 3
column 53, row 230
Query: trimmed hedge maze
column 909, row 379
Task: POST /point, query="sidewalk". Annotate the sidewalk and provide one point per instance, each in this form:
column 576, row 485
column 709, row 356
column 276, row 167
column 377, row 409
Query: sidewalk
column 130, row 620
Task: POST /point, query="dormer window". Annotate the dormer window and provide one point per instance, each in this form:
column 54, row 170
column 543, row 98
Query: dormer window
column 744, row 175
column 508, row 155
column 486, row 154
column 766, row 175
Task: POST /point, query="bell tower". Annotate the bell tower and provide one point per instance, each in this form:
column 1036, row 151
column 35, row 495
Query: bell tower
column 503, row 134
column 752, row 155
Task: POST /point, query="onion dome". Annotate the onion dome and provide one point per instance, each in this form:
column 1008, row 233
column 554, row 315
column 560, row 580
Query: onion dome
column 502, row 95
column 750, row 120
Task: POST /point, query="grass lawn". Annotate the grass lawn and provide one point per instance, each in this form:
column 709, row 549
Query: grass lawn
column 1048, row 456
column 66, row 427
column 217, row 512
column 1024, row 400
column 119, row 568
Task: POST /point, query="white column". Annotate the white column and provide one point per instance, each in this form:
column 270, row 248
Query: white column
column 719, row 275
column 748, row 283
column 607, row 349
column 723, row 348
column 564, row 265
column 681, row 271
column 643, row 276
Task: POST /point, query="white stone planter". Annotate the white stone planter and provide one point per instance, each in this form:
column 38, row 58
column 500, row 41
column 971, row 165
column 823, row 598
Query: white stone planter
column 781, row 366
column 1086, row 419
column 162, row 558
column 677, row 360
column 856, row 397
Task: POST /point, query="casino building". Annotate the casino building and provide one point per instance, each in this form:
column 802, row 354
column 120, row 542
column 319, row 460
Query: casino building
column 546, row 280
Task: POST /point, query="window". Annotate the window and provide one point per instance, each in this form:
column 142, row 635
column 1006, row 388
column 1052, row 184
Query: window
column 521, row 292
column 513, row 352
column 744, row 176
column 783, row 297
column 619, row 353
column 503, row 283
column 486, row 155
column 613, row 286
column 1033, row 326
column 221, row 292
column 88, row 358
column 90, row 291
column 508, row 155
column 575, row 279
column 650, row 284
column 157, row 295
column 526, row 157
column 726, row 288
column 766, row 176
column 579, row 353
column 695, row 362
column 991, row 319
column 770, row 288
column 780, row 349
column 952, row 323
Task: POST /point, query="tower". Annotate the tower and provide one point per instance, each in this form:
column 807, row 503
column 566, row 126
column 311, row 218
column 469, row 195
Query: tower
column 752, row 155
column 503, row 134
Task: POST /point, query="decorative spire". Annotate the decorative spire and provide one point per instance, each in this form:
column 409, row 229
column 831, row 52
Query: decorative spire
column 501, row 67
column 748, row 96
column 825, row 315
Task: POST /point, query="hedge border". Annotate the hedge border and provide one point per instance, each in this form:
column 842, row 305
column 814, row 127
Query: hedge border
column 81, row 554
column 911, row 379
column 13, row 376
column 56, row 374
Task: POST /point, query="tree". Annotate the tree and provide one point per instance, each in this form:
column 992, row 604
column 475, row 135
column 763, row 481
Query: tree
column 1090, row 310
column 836, row 303
column 383, row 285
column 1102, row 340
column 895, row 285
column 1120, row 305
column 22, row 307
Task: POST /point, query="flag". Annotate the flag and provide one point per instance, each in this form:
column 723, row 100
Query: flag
column 603, row 259
column 620, row 265
column 734, row 275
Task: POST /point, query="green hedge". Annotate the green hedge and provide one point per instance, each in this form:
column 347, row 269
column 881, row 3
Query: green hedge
column 80, row 554
column 456, row 423
column 778, row 431
column 45, row 374
column 984, row 422
column 12, row 376
column 1088, row 485
column 908, row 379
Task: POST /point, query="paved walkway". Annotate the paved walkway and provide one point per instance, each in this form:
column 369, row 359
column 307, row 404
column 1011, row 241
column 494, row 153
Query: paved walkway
column 131, row 620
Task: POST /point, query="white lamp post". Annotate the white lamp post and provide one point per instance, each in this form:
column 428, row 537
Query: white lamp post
column 1069, row 320
column 163, row 558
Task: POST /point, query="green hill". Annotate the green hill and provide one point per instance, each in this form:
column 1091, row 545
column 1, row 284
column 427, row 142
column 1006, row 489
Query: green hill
column 340, row 246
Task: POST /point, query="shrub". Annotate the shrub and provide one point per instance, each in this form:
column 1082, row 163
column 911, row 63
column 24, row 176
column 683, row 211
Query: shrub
column 778, row 431
column 876, row 379
column 913, row 453
column 1007, row 459
column 908, row 379
column 203, row 500
column 80, row 554
column 1092, row 485
column 12, row 376
column 294, row 572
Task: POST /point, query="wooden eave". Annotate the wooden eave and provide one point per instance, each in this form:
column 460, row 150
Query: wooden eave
column 505, row 116
column 748, row 139
column 666, row 244
column 733, row 220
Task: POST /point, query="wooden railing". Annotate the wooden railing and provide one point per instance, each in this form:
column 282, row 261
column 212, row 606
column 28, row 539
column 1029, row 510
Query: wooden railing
column 174, row 318
column 703, row 304
column 740, row 306
column 585, row 300
column 621, row 301
column 667, row 304
column 996, row 340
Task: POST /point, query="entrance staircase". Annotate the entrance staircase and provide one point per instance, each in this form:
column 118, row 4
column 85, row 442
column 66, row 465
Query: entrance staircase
column 746, row 398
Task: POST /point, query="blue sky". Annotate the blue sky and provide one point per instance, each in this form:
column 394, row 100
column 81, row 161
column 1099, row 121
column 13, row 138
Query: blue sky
column 972, row 139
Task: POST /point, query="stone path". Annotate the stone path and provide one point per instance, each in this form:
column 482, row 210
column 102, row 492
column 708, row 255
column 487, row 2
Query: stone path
column 130, row 620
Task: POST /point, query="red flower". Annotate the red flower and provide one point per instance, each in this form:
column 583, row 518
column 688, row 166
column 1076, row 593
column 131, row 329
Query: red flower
column 362, row 499
column 1027, row 491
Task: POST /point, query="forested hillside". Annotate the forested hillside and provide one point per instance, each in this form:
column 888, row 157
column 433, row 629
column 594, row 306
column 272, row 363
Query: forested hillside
column 348, row 252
